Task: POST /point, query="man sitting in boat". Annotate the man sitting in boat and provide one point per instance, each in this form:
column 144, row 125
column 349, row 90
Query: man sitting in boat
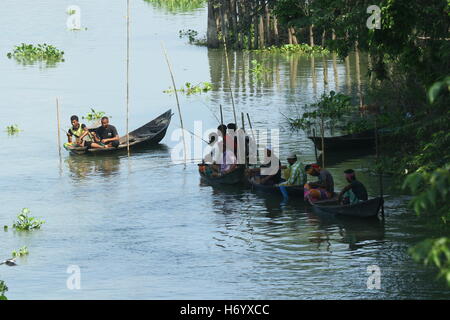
column 323, row 188
column 269, row 176
column 78, row 131
column 228, row 163
column 105, row 136
column 295, row 175
column 354, row 192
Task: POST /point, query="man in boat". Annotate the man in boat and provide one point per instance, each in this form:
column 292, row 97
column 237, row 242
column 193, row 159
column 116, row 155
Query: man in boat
column 271, row 175
column 323, row 188
column 227, row 164
column 296, row 175
column 105, row 136
column 354, row 192
column 79, row 131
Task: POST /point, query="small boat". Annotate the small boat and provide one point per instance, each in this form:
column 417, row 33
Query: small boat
column 364, row 209
column 294, row 191
column 361, row 140
column 149, row 134
column 234, row 177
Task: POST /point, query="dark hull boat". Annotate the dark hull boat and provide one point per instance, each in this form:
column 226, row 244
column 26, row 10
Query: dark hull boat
column 149, row 134
column 362, row 140
column 293, row 191
column 234, row 177
column 365, row 209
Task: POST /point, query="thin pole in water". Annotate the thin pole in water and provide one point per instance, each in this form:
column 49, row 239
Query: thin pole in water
column 128, row 76
column 229, row 78
column 315, row 147
column 221, row 115
column 323, row 141
column 178, row 101
column 380, row 173
column 59, row 127
column 243, row 121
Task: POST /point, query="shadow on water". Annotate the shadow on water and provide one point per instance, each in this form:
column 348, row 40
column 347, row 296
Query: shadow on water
column 355, row 232
column 108, row 165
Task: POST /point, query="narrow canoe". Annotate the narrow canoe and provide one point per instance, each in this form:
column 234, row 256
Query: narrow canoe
column 149, row 134
column 234, row 177
column 362, row 140
column 365, row 209
column 294, row 191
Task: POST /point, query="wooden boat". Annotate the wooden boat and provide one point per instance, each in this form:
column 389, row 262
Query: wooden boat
column 149, row 134
column 365, row 209
column 234, row 177
column 294, row 191
column 362, row 140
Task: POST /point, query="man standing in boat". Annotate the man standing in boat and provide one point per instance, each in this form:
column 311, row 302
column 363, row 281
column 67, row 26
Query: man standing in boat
column 354, row 192
column 105, row 136
column 323, row 188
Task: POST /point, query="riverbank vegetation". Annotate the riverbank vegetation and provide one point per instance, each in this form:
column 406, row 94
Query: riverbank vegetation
column 29, row 54
column 175, row 6
column 408, row 92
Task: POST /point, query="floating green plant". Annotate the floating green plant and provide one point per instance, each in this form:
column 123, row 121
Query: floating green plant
column 23, row 251
column 192, row 36
column 296, row 48
column 3, row 289
column 29, row 54
column 176, row 6
column 258, row 68
column 190, row 89
column 12, row 129
column 26, row 223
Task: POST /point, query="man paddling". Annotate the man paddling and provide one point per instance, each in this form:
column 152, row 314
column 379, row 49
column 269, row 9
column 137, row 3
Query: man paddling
column 354, row 192
column 105, row 136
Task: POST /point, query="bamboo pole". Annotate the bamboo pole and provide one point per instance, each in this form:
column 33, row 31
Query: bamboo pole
column 59, row 127
column 128, row 77
column 251, row 127
column 380, row 173
column 323, row 141
column 178, row 101
column 243, row 121
column 221, row 115
column 315, row 147
column 229, row 78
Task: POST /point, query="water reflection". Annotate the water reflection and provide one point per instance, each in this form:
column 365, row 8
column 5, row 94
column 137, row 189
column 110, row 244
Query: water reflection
column 84, row 166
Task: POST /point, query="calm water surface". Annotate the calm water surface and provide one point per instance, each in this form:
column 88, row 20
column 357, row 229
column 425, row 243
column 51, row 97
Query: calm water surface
column 142, row 227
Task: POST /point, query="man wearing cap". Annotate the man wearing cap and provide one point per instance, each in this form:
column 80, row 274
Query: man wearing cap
column 297, row 175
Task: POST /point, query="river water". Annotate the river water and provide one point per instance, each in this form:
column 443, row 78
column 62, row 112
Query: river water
column 145, row 228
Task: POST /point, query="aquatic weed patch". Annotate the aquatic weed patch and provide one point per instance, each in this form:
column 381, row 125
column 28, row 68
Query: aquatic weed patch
column 29, row 54
column 22, row 251
column 303, row 48
column 3, row 289
column 13, row 129
column 190, row 89
column 25, row 222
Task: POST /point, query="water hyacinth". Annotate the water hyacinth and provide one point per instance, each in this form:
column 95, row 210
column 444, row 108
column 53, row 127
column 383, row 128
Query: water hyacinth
column 29, row 54
column 26, row 223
